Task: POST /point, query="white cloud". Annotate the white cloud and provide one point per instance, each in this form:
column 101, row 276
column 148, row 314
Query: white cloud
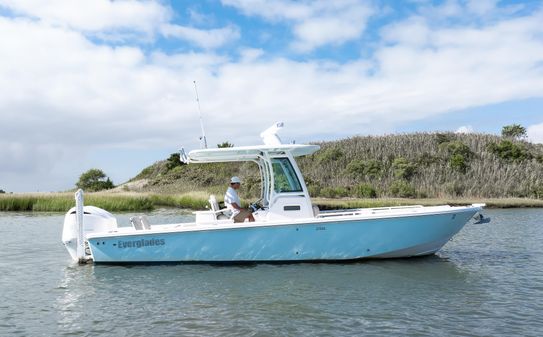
column 251, row 54
column 120, row 20
column 275, row 10
column 464, row 129
column 208, row 39
column 448, row 8
column 315, row 23
column 481, row 7
column 535, row 133
column 94, row 16
column 63, row 96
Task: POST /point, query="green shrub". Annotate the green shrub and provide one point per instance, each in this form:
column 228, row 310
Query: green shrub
column 327, row 192
column 342, row 192
column 457, row 147
column 402, row 189
column 330, row 154
column 365, row 191
column 334, row 192
column 507, row 150
column 403, row 169
column 459, row 155
column 427, row 159
column 94, row 180
column 369, row 168
column 173, row 161
column 356, row 168
column 373, row 168
column 458, row 163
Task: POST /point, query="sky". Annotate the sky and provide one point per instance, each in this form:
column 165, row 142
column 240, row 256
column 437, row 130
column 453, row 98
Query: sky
column 110, row 84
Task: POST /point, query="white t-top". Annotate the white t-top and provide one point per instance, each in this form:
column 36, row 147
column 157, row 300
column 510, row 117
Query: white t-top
column 231, row 197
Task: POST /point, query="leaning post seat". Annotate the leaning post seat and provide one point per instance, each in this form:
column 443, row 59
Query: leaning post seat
column 136, row 223
column 220, row 214
column 213, row 203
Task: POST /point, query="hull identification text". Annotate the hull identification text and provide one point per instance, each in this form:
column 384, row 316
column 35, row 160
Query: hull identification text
column 140, row 243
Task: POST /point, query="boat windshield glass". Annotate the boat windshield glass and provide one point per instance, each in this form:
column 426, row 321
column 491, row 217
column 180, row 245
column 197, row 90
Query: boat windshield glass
column 284, row 176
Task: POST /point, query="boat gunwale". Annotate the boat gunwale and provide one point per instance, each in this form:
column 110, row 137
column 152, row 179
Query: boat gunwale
column 189, row 227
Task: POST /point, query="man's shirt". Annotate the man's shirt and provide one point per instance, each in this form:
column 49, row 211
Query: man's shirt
column 230, row 198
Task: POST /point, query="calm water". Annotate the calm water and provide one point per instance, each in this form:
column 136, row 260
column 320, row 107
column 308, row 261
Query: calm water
column 488, row 281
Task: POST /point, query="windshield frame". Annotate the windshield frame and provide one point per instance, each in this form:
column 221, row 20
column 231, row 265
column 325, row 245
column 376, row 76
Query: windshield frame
column 283, row 169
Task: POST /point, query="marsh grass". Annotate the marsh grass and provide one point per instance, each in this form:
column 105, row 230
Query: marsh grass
column 191, row 200
column 114, row 202
column 197, row 200
column 61, row 202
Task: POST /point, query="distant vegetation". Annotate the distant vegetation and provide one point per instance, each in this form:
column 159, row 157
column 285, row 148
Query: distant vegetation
column 370, row 171
column 94, row 180
column 2, row 192
column 515, row 131
column 420, row 165
column 225, row 145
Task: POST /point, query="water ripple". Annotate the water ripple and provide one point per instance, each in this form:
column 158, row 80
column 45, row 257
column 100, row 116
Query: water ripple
column 488, row 281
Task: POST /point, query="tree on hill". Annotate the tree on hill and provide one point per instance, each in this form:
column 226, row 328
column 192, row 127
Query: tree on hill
column 224, row 145
column 94, row 180
column 514, row 131
column 173, row 161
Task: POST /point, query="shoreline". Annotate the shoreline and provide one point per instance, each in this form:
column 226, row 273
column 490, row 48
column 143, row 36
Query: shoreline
column 131, row 201
column 390, row 202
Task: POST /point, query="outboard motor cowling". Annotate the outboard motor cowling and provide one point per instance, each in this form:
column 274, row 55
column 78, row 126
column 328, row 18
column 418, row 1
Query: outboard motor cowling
column 94, row 220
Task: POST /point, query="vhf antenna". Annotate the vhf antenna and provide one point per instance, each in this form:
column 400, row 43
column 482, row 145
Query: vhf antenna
column 203, row 137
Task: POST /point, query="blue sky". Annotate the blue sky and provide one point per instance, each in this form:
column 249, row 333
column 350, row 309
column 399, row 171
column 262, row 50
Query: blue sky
column 109, row 84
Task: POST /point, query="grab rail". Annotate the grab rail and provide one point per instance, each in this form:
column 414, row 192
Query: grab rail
column 359, row 211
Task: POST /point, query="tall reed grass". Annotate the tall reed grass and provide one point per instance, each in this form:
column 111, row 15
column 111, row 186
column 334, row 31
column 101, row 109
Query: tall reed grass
column 114, row 202
column 486, row 175
column 329, row 173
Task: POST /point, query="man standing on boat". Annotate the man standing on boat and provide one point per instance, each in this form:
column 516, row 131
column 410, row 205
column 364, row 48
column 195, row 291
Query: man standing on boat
column 232, row 202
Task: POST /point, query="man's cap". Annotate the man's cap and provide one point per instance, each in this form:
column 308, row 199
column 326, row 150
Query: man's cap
column 235, row 180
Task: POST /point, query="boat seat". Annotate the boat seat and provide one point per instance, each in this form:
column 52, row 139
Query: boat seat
column 145, row 222
column 316, row 210
column 140, row 222
column 136, row 223
column 220, row 214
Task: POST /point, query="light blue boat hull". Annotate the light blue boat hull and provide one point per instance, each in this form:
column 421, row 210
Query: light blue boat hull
column 338, row 239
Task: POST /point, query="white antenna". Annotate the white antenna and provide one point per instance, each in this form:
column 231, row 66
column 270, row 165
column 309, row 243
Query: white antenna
column 203, row 137
column 270, row 137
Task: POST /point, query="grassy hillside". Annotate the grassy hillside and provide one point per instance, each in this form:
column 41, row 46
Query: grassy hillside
column 420, row 165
